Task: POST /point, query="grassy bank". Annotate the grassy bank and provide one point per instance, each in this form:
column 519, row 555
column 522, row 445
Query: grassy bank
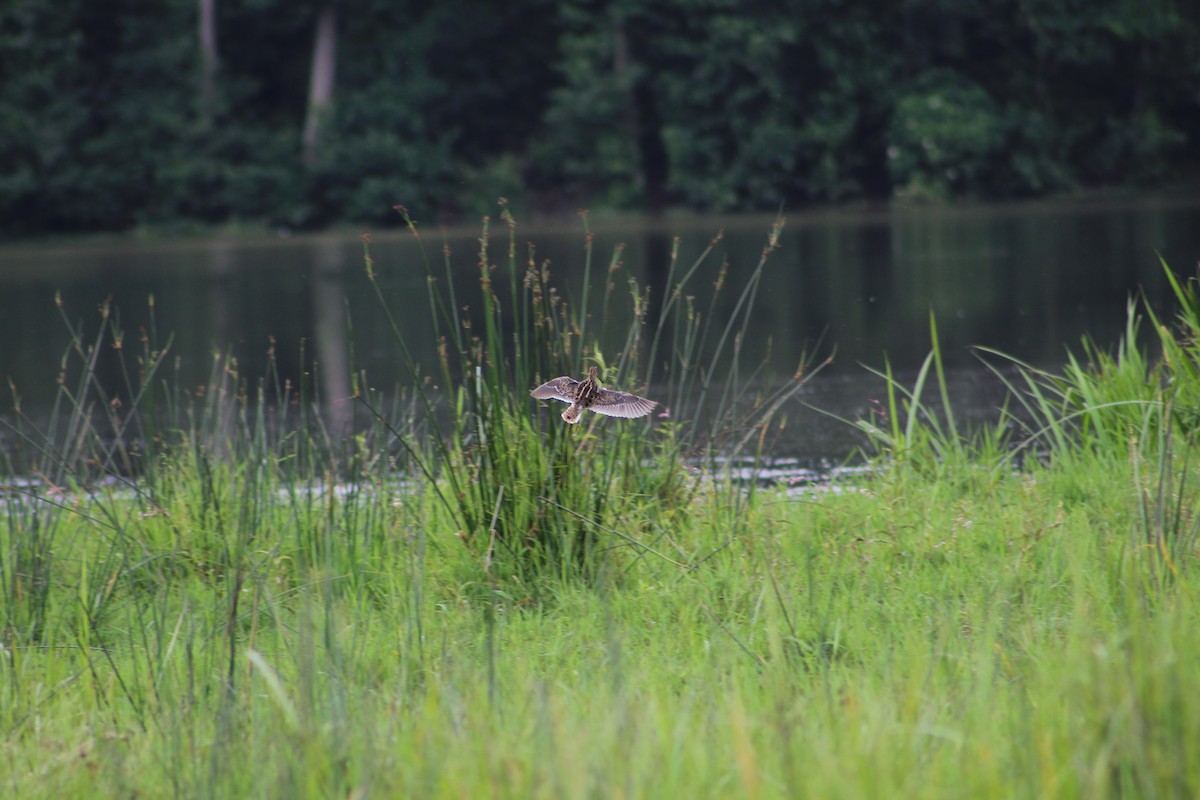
column 234, row 603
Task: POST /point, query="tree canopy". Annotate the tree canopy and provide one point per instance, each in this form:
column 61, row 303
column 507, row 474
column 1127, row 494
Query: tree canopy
column 155, row 112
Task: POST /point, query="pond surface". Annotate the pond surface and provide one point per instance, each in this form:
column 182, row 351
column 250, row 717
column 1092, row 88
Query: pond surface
column 1027, row 279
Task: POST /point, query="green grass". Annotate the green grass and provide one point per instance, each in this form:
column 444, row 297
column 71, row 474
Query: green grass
column 257, row 610
column 915, row 638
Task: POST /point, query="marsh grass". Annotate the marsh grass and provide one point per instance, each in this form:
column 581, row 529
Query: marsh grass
column 1133, row 410
column 224, row 600
column 916, row 436
column 532, row 497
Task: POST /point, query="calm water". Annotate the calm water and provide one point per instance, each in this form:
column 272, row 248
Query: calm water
column 1028, row 279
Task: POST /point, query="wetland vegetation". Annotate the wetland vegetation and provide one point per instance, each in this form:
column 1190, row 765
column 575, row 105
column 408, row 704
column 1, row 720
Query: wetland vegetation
column 218, row 591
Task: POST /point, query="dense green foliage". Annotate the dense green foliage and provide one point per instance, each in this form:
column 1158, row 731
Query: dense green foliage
column 105, row 124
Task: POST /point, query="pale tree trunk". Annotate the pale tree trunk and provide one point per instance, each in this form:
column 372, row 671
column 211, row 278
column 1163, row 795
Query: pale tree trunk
column 320, row 84
column 208, row 56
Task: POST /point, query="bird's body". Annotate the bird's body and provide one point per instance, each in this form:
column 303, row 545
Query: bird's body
column 588, row 394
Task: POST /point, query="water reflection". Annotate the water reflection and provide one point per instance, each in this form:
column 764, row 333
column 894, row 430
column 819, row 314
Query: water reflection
column 328, row 294
column 1029, row 279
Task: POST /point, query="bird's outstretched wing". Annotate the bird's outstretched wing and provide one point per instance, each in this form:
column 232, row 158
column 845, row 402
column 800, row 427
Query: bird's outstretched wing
column 562, row 388
column 621, row 404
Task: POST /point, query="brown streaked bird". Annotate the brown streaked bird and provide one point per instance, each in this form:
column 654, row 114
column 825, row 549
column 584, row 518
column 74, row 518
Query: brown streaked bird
column 588, row 394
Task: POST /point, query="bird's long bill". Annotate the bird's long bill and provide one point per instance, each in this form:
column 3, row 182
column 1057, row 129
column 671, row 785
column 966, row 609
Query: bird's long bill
column 573, row 413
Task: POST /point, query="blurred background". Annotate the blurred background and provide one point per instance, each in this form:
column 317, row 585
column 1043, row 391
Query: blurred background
column 303, row 114
column 1016, row 167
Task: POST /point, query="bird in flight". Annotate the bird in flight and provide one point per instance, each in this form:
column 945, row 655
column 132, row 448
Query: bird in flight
column 588, row 394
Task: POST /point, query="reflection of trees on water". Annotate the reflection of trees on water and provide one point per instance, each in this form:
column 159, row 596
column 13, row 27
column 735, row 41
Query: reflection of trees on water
column 656, row 243
column 222, row 270
column 326, row 282
column 291, row 295
column 223, row 295
column 1029, row 280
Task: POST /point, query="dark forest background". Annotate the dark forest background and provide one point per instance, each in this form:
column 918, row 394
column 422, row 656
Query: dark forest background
column 126, row 113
